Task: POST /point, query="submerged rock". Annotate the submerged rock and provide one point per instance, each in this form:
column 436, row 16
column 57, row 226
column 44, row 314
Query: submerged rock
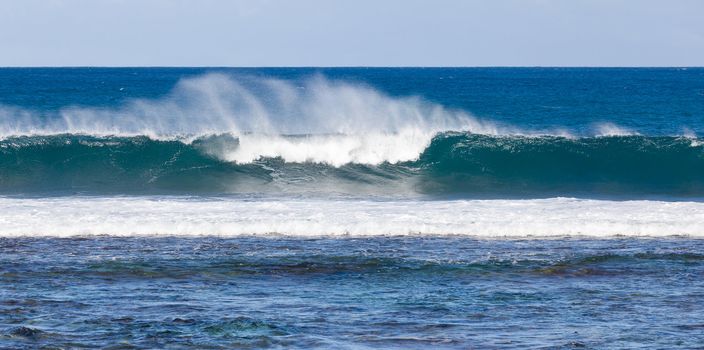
column 24, row 332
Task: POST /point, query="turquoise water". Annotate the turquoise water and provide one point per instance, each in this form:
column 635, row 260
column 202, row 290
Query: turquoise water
column 454, row 164
column 354, row 208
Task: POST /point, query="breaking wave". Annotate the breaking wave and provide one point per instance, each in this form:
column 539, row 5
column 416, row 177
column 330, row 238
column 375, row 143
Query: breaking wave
column 217, row 134
column 452, row 163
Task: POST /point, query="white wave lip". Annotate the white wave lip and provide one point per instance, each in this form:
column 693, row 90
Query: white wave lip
column 335, row 150
column 137, row 216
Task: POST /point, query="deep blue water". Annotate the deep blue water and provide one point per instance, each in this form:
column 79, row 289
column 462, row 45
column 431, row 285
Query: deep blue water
column 144, row 150
column 653, row 101
column 388, row 292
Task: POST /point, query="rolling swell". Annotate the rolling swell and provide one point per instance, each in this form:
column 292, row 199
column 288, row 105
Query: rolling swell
column 454, row 163
column 549, row 165
column 112, row 164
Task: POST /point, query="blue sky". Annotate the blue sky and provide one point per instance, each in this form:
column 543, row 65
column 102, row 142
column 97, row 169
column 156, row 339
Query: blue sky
column 351, row 33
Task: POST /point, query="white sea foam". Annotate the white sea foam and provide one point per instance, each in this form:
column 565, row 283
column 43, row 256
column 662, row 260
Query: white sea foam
column 70, row 216
column 336, row 150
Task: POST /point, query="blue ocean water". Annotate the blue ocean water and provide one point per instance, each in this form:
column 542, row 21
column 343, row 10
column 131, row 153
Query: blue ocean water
column 351, row 207
column 392, row 292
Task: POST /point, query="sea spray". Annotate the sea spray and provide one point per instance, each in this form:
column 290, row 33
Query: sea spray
column 220, row 104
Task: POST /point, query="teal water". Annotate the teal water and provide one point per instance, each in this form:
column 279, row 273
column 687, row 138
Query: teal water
column 456, row 164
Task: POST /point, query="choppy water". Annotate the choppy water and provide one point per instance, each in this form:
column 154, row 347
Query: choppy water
column 383, row 292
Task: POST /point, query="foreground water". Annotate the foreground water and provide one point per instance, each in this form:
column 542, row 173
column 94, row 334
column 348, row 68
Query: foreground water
column 382, row 292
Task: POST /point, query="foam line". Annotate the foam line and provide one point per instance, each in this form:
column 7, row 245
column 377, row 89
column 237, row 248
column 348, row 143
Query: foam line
column 556, row 217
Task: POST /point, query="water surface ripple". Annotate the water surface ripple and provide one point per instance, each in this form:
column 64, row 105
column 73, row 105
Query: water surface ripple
column 380, row 292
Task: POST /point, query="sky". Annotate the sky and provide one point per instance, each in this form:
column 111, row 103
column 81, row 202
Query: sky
column 351, row 33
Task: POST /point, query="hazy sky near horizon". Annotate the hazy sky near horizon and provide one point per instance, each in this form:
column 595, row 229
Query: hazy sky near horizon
column 351, row 33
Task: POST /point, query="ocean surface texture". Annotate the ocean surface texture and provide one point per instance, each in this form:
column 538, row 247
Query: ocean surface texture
column 351, row 208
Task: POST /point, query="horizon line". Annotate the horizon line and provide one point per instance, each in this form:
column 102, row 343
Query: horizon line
column 340, row 66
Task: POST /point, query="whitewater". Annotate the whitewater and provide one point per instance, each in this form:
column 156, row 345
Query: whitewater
column 227, row 217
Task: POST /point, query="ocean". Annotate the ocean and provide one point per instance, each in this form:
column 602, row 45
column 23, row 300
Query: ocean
column 352, row 208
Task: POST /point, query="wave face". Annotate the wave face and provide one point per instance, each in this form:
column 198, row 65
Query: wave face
column 453, row 163
column 610, row 165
